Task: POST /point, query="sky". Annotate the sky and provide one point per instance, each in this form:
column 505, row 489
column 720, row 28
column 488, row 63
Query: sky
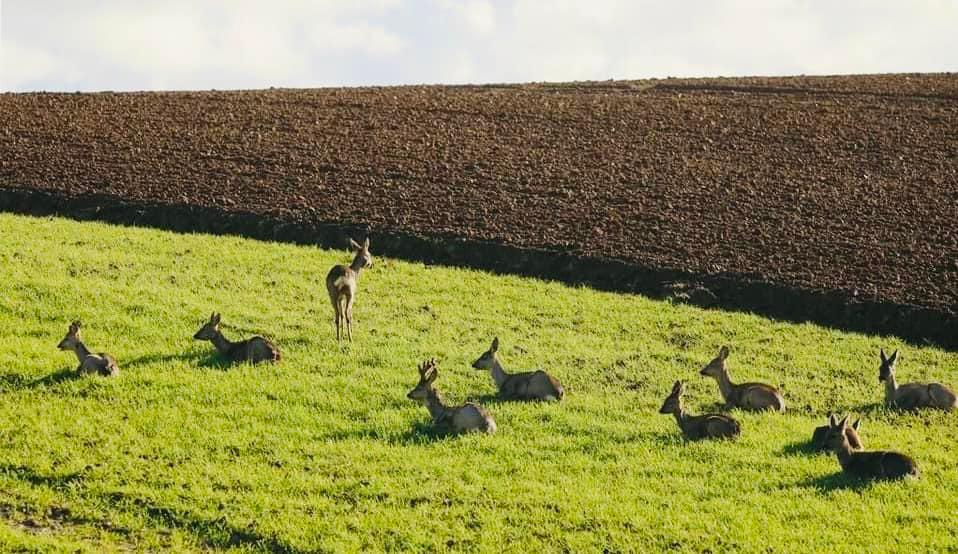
column 91, row 45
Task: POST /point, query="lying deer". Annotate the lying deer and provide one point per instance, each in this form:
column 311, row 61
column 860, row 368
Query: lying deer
column 341, row 284
column 707, row 426
column 460, row 419
column 878, row 464
column 254, row 350
column 530, row 385
column 912, row 396
column 748, row 396
column 101, row 364
column 821, row 434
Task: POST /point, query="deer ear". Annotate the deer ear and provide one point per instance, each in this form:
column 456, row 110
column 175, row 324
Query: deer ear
column 216, row 319
column 881, row 354
column 495, row 344
column 354, row 245
column 894, row 357
column 723, row 353
column 857, row 425
column 831, row 420
column 844, row 422
column 366, row 244
column 677, row 387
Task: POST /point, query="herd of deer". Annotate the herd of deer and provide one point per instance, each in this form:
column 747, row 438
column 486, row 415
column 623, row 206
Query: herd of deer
column 341, row 283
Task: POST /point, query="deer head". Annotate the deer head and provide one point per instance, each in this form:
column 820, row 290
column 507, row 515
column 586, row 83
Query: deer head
column 210, row 329
column 673, row 403
column 488, row 357
column 362, row 256
column 716, row 367
column 427, row 374
column 887, row 368
column 72, row 337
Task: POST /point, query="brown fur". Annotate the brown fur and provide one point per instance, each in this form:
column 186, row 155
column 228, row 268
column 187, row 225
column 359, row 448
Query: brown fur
column 90, row 363
column 254, row 349
column 878, row 464
column 530, row 385
column 341, row 284
column 912, row 396
column 820, row 435
column 748, row 396
column 706, row 426
column 459, row 419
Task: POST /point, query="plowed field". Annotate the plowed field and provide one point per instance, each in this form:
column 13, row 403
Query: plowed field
column 830, row 183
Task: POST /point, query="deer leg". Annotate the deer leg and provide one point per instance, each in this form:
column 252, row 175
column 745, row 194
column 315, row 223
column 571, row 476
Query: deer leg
column 349, row 319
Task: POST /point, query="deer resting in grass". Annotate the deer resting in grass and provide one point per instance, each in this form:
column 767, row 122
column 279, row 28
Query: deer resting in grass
column 254, row 350
column 100, row 364
column 341, row 282
column 912, row 396
column 707, row 426
column 877, row 464
column 459, row 419
column 530, row 385
column 820, row 435
column 748, row 396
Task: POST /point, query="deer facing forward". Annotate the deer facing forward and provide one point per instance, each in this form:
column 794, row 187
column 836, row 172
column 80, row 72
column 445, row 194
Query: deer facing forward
column 748, row 396
column 820, row 435
column 530, row 385
column 100, row 364
column 706, row 426
column 912, row 396
column 446, row 419
column 877, row 464
column 341, row 283
column 254, row 349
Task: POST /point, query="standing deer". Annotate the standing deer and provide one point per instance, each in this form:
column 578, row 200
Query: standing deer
column 341, row 284
column 820, row 435
column 100, row 364
column 460, row 419
column 530, row 385
column 912, row 396
column 748, row 396
column 707, row 426
column 878, row 464
column 254, row 349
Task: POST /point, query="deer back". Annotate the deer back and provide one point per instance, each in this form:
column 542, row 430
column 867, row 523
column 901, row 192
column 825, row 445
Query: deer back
column 912, row 396
column 470, row 417
column 531, row 385
column 758, row 396
column 880, row 464
column 257, row 349
column 710, row 426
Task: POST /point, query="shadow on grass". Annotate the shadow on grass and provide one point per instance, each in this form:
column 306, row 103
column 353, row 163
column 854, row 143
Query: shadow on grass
column 803, row 448
column 16, row 381
column 835, row 481
column 150, row 359
column 216, row 533
column 59, row 483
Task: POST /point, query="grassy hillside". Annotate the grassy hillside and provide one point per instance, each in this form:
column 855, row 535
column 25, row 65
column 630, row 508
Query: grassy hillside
column 324, row 452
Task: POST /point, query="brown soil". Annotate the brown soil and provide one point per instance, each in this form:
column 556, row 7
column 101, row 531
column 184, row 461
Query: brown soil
column 846, row 184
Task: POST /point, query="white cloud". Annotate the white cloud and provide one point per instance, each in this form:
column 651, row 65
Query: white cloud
column 113, row 44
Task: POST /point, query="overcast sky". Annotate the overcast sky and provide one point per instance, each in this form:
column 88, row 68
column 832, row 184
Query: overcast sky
column 68, row 45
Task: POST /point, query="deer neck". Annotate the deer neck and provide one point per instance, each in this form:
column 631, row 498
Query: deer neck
column 498, row 373
column 891, row 385
column 434, row 404
column 725, row 384
column 680, row 417
column 81, row 351
column 221, row 343
column 357, row 265
column 844, row 453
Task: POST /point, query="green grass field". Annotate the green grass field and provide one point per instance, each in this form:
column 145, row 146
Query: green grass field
column 324, row 452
